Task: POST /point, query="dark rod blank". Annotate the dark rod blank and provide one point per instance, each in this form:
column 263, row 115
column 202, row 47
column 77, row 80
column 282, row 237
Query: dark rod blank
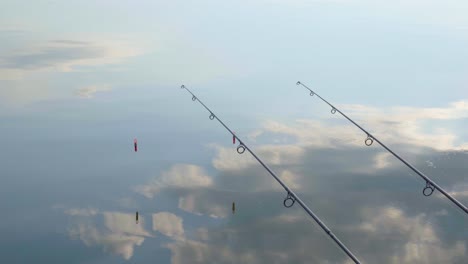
column 291, row 197
column 430, row 184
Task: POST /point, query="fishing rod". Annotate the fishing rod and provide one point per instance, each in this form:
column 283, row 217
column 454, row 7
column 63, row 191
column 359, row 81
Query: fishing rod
column 291, row 197
column 430, row 184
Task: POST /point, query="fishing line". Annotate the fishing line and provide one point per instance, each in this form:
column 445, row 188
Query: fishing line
column 291, row 197
column 430, row 184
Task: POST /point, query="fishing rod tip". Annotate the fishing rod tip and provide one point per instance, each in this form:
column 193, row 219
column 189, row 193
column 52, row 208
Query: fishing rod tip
column 298, row 82
column 182, row 86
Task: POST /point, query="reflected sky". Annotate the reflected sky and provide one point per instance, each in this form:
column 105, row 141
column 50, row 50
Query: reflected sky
column 75, row 94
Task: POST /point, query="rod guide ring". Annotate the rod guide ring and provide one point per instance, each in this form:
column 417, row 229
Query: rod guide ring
column 290, row 199
column 369, row 141
column 240, row 149
column 428, row 190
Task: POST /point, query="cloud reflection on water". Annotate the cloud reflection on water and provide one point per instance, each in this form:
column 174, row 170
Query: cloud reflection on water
column 364, row 195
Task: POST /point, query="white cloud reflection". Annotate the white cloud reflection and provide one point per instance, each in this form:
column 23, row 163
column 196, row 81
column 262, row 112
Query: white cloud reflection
column 114, row 243
column 66, row 55
column 89, row 91
column 178, row 176
column 81, row 211
column 120, row 233
column 168, row 224
column 421, row 245
column 197, row 205
column 120, row 236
